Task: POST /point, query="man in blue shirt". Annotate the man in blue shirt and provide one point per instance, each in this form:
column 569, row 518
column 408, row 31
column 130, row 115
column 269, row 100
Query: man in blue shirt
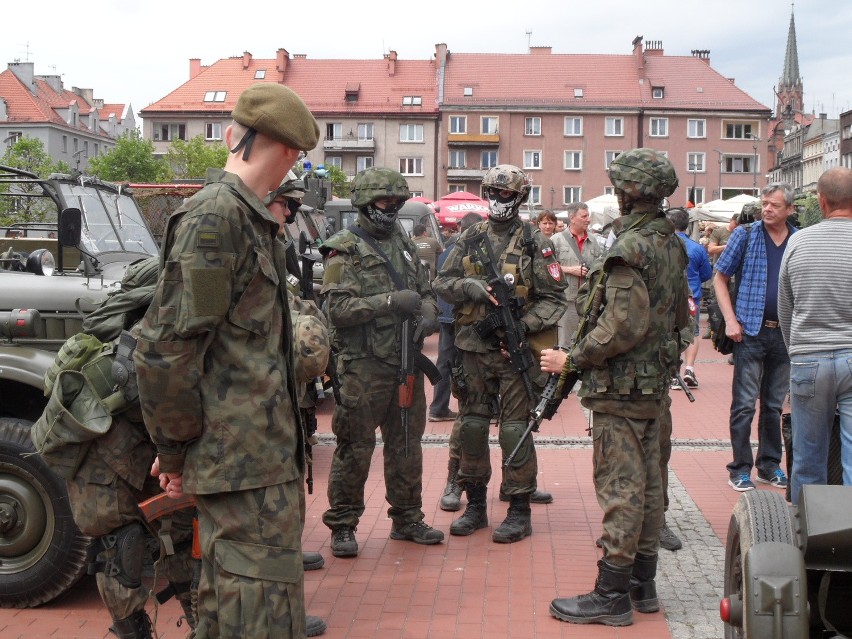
column 761, row 363
column 698, row 270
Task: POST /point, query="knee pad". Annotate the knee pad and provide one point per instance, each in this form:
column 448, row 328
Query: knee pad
column 119, row 555
column 510, row 435
column 473, row 434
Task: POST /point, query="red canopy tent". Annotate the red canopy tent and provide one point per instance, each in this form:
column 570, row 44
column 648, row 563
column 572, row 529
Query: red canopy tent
column 451, row 208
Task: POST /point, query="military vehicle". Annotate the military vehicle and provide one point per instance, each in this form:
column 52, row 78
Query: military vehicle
column 51, row 274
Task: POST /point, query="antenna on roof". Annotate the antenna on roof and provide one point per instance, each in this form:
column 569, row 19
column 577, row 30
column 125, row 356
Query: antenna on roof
column 529, row 35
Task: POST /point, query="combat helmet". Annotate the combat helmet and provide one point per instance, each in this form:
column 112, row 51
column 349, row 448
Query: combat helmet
column 643, row 174
column 374, row 184
column 505, row 177
column 749, row 213
column 293, row 189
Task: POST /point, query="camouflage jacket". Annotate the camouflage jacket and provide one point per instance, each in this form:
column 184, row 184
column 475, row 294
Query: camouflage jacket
column 537, row 276
column 628, row 357
column 357, row 283
column 215, row 356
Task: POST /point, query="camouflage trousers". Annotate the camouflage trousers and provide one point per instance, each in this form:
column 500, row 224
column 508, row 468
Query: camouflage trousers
column 627, row 482
column 252, row 580
column 665, row 448
column 486, row 375
column 369, row 399
column 102, row 501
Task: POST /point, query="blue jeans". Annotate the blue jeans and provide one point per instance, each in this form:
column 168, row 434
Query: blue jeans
column 761, row 373
column 820, row 382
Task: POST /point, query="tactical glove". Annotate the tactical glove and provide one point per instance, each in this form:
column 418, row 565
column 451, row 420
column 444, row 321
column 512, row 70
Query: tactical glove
column 404, row 302
column 428, row 324
column 475, row 290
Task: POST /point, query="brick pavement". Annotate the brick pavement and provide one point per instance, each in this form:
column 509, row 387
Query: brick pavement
column 469, row 587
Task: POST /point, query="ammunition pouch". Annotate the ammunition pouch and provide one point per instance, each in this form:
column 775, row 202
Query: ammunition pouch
column 124, row 368
column 458, row 381
column 487, row 328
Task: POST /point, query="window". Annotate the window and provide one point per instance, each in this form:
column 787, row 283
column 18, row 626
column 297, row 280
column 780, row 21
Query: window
column 412, row 100
column 411, row 166
column 573, row 126
column 363, row 162
column 659, row 127
column 609, row 156
column 695, row 162
column 489, row 159
column 573, row 160
column 334, row 160
column 532, row 126
column 489, row 125
column 571, row 194
column 65, row 144
column 737, row 130
column 609, row 190
column 97, row 149
column 76, row 144
column 170, row 132
column 457, row 160
column 334, row 131
column 578, row 93
column 468, row 91
column 215, row 96
column 737, row 164
column 535, row 196
column 13, row 137
column 455, row 188
column 697, row 195
column 85, row 148
column 614, row 126
column 696, row 128
column 458, row 124
column 416, row 193
column 365, row 131
column 260, row 74
column 410, row 132
column 658, row 93
column 212, row 131
column 532, row 159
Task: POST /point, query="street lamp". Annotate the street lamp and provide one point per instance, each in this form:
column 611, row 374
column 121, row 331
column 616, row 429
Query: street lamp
column 721, row 159
column 694, row 168
column 754, row 140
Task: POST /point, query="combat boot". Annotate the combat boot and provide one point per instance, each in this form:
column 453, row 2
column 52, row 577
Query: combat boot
column 643, row 588
column 609, row 603
column 536, row 497
column 474, row 516
column 136, row 626
column 314, row 626
column 451, row 500
column 312, row 560
column 517, row 524
column 343, row 543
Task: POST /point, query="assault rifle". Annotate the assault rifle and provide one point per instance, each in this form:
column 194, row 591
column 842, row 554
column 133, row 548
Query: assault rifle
column 411, row 357
column 506, row 316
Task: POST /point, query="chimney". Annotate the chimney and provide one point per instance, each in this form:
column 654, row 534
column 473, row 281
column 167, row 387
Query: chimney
column 654, row 47
column 441, row 56
column 24, row 71
column 637, row 52
column 390, row 56
column 53, row 81
column 702, row 54
column 540, row 50
column 194, row 67
column 246, row 60
column 86, row 94
column 99, row 103
column 282, row 56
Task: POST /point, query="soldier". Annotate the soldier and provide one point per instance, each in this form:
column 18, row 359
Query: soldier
column 526, row 259
column 627, row 359
column 216, row 376
column 373, row 282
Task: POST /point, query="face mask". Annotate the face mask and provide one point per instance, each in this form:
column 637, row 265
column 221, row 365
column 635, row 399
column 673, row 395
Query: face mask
column 502, row 208
column 383, row 218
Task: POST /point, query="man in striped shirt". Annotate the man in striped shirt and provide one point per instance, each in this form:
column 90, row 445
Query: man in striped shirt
column 814, row 293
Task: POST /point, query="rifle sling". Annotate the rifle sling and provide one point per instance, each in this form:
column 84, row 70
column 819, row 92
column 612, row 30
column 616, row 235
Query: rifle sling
column 396, row 278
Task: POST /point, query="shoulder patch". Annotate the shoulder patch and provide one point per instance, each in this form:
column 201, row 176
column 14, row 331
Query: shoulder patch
column 547, row 251
column 207, row 239
column 555, row 271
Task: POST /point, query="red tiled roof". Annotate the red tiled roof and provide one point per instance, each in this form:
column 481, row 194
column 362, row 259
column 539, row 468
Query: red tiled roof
column 322, row 85
column 107, row 109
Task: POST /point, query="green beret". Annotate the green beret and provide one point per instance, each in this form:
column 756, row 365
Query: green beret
column 278, row 113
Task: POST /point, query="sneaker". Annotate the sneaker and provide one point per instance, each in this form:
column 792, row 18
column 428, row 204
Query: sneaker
column 777, row 478
column 741, row 483
column 675, row 385
column 446, row 417
column 689, row 378
column 343, row 542
column 418, row 532
column 669, row 540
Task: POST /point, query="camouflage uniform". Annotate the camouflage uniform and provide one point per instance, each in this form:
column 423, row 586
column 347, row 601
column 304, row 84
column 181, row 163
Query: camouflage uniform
column 216, row 376
column 366, row 339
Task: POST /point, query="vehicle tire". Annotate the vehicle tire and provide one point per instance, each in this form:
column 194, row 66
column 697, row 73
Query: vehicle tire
column 42, row 553
column 759, row 516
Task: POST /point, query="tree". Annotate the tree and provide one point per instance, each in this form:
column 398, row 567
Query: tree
column 192, row 159
column 132, row 160
column 807, row 207
column 27, row 154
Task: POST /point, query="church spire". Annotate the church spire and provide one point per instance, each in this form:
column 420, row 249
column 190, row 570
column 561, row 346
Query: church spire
column 790, row 91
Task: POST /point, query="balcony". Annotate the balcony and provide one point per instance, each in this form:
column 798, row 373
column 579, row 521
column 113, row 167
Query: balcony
column 473, row 139
column 463, row 174
column 349, row 143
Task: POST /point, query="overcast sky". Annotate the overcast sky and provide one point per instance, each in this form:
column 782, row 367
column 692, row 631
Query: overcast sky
column 138, row 52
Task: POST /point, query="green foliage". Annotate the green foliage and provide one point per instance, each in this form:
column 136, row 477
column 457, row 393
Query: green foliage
column 27, row 154
column 808, row 207
column 132, row 160
column 192, row 159
column 339, row 182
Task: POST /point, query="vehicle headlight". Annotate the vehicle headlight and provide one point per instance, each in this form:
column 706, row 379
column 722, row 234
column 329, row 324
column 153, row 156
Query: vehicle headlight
column 41, row 262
